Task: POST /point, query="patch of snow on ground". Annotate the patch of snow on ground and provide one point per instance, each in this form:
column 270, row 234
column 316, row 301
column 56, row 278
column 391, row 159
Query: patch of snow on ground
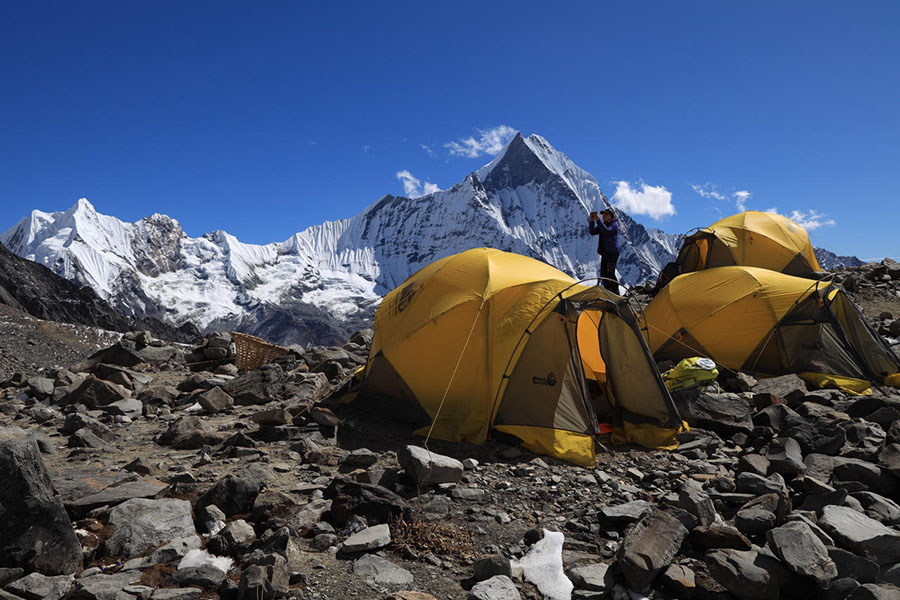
column 543, row 566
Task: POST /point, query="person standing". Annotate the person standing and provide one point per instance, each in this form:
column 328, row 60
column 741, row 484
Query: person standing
column 606, row 225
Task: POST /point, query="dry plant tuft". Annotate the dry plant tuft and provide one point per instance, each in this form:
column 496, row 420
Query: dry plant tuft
column 428, row 536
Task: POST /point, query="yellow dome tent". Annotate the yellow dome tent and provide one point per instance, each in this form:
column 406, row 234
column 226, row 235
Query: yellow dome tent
column 750, row 239
column 767, row 323
column 486, row 339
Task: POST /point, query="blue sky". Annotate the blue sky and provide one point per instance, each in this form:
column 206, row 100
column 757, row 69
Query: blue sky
column 265, row 118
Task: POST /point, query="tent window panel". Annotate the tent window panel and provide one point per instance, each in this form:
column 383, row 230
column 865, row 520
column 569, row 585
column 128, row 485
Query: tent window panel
column 872, row 350
column 546, row 388
column 719, row 255
column 635, row 385
column 817, row 348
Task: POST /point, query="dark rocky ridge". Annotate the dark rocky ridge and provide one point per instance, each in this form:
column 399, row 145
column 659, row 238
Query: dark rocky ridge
column 38, row 291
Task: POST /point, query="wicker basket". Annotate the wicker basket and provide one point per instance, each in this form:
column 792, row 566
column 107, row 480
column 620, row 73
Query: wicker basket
column 253, row 352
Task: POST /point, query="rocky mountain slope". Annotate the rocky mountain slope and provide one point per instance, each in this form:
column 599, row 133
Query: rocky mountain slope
column 325, row 281
column 34, row 289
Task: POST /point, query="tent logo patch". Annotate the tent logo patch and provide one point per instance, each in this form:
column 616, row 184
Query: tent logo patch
column 549, row 380
column 405, row 297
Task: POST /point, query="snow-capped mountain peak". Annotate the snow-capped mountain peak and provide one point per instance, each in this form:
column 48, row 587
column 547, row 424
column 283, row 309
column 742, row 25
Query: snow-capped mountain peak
column 324, row 281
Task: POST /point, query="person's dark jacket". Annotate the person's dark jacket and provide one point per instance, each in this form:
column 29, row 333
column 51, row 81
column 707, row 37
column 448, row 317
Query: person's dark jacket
column 609, row 236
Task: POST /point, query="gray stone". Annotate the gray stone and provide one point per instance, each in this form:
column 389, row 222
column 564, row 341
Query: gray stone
column 873, row 591
column 205, row 575
column 797, row 546
column 190, row 433
column 104, row 587
column 41, row 587
column 864, row 440
column 693, row 499
column 273, row 417
column 361, row 458
column 471, row 494
column 785, row 457
column 487, row 567
column 718, row 536
column 145, row 487
column 850, row 565
column 879, row 508
column 889, row 459
column 140, row 525
column 129, row 407
column 754, row 463
column 175, row 549
column 177, row 594
column 789, row 387
column 264, row 581
column 751, row 483
column 857, row 532
column 215, row 400
column 85, row 438
column 723, row 413
column 818, row 531
column 10, row 574
column 498, row 587
column 626, row 513
column 649, row 547
column 235, row 494
column 381, row 571
column 35, row 531
column 425, row 467
column 678, row 579
column 594, row 577
column 747, row 574
column 370, row 538
column 235, row 535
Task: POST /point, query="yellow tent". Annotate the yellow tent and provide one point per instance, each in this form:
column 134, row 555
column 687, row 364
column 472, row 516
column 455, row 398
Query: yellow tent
column 759, row 321
column 488, row 340
column 750, row 239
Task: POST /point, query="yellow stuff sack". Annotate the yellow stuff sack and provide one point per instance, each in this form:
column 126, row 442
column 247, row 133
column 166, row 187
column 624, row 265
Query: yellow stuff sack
column 690, row 372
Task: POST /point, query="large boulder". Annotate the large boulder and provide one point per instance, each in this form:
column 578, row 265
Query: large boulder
column 747, row 574
column 235, row 494
column 189, row 433
column 858, row 533
column 140, row 525
column 725, row 414
column 35, row 531
column 649, row 547
column 804, row 553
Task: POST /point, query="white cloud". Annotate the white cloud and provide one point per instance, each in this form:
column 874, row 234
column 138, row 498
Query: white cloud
column 427, row 149
column 710, row 190
column 413, row 186
column 366, row 148
column 489, row 142
column 809, row 219
column 651, row 200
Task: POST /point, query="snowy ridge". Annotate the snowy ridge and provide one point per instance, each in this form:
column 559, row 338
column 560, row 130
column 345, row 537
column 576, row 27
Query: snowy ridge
column 325, row 281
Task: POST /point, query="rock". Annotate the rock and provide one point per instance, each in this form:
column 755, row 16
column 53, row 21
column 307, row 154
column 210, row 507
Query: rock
column 128, row 407
column 186, row 593
column 41, row 587
column 189, row 433
column 797, row 546
column 409, row 595
column 175, row 549
column 785, row 457
column 789, row 387
column 93, row 392
column 649, row 547
column 426, row 468
column 144, row 487
column 266, row 580
column 815, row 437
column 878, row 507
column 754, row 463
column 35, row 531
column 628, row 512
column 85, row 438
column 374, row 502
column 718, row 536
column 872, row 591
column 205, row 575
column 751, row 483
column 381, row 571
column 869, row 476
column 693, row 499
column 864, row 440
column 498, row 587
column 235, row 535
column 259, row 386
column 775, row 416
column 761, row 514
column 747, row 574
column 725, row 414
column 304, row 518
column 487, row 567
column 595, row 577
column 678, row 580
column 10, row 574
column 324, row 417
column 235, row 494
column 858, row 533
column 140, row 525
column 850, row 565
column 104, row 587
column 76, row 421
column 889, row 459
column 361, row 458
column 370, row 538
column 215, row 400
column 839, row 589
column 272, row 417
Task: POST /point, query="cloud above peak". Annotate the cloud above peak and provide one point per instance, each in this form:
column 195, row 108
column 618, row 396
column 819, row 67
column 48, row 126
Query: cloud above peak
column 710, row 190
column 488, row 143
column 807, row 219
column 655, row 201
column 413, row 186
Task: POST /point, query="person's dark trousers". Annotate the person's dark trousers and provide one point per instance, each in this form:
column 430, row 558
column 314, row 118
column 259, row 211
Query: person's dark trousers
column 608, row 262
